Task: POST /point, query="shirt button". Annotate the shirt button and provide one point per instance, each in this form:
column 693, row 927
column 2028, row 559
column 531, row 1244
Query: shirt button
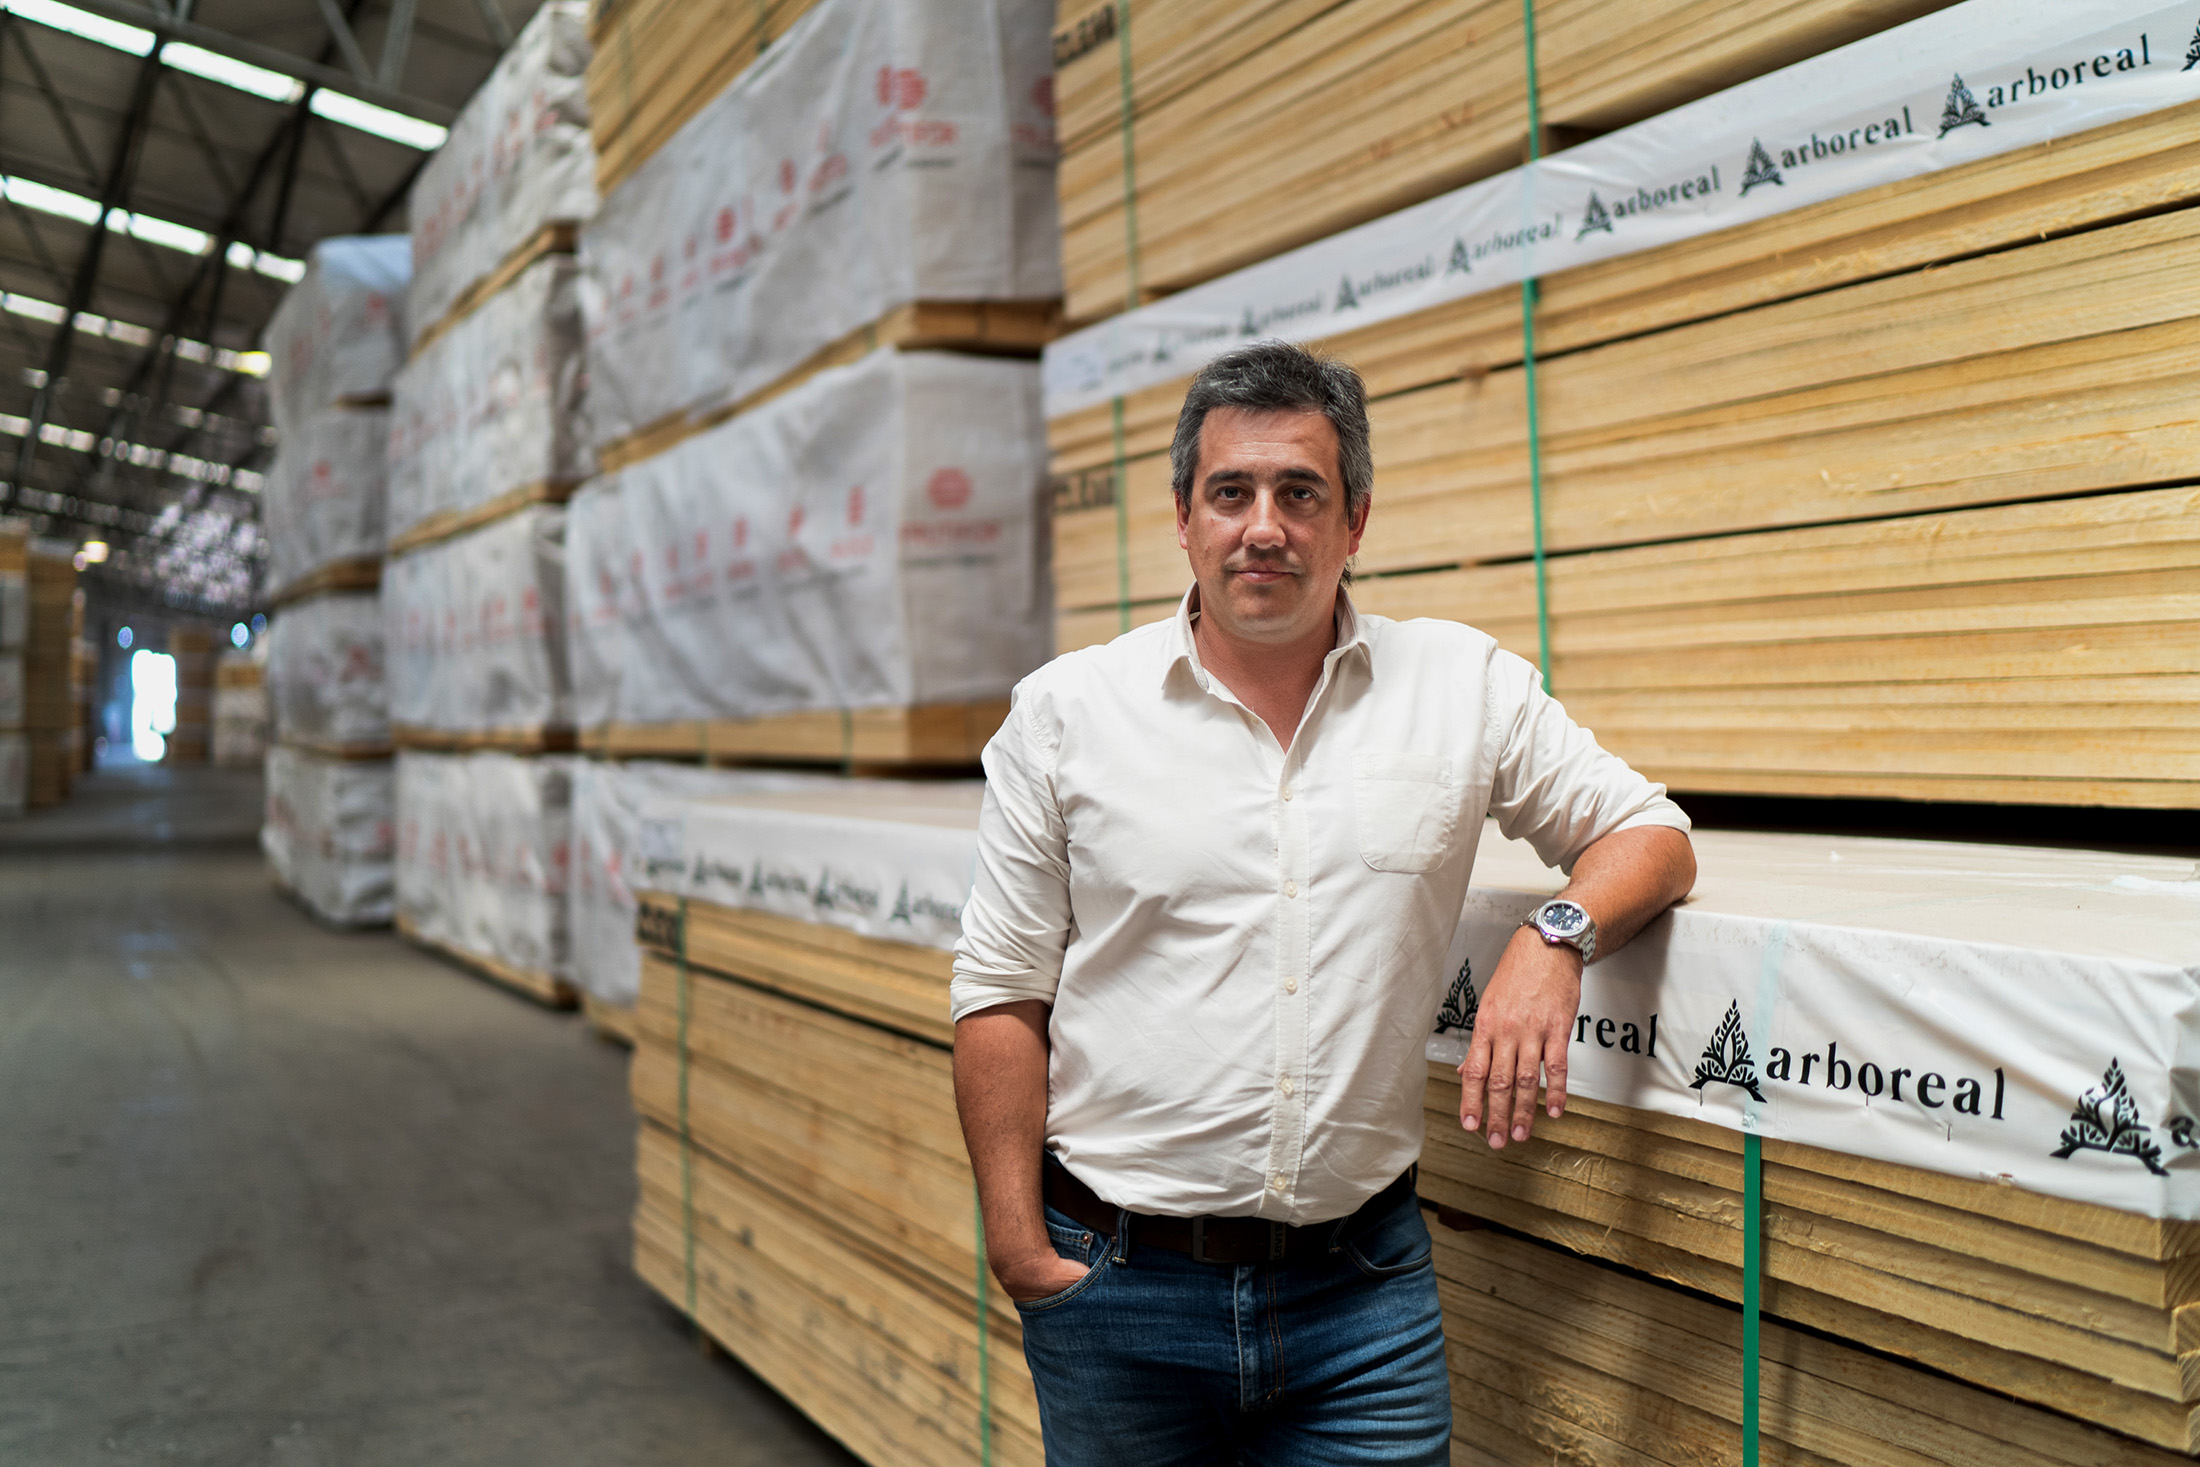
column 1278, row 1182
column 1285, row 1085
column 1290, row 888
column 1290, row 985
column 1287, row 792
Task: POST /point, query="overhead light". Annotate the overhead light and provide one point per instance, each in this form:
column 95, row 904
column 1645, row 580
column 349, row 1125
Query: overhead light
column 95, row 551
column 48, row 200
column 413, row 132
column 242, row 75
column 254, row 363
column 133, row 39
column 181, row 237
column 275, row 267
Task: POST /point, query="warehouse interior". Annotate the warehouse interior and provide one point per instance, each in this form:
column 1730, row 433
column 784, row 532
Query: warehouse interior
column 519, row 518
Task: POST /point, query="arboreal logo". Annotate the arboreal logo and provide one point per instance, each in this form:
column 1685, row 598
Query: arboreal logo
column 2107, row 1119
column 1594, row 218
column 1759, row 168
column 1961, row 110
column 1347, row 297
column 2192, row 52
column 1461, row 1004
column 1726, row 1059
column 1462, row 260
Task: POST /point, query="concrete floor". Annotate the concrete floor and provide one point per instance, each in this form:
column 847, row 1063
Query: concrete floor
column 274, row 1194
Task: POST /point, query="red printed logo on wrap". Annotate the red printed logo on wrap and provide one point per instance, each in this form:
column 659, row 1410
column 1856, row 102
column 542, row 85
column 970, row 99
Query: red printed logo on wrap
column 948, row 489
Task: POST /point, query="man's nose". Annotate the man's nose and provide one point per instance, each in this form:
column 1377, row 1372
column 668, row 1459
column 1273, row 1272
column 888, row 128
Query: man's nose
column 1264, row 527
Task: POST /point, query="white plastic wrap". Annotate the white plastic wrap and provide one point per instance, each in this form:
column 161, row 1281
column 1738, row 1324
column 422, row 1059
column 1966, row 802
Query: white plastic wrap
column 518, row 158
column 326, row 493
column 476, row 628
column 340, row 330
column 882, row 152
column 1968, row 82
column 15, row 608
column 873, row 538
column 326, row 681
column 331, row 832
column 493, row 404
column 482, row 854
column 607, row 810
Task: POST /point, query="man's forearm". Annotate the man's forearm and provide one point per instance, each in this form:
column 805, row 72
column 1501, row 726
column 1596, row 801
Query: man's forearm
column 1001, row 1096
column 1629, row 877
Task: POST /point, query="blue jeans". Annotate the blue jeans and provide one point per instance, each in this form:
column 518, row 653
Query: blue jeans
column 1324, row 1360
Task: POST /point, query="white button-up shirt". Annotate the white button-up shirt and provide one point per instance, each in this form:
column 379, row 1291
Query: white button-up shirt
column 1244, row 945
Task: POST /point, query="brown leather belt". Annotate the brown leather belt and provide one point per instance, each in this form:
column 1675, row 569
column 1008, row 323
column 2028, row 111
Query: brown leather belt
column 1230, row 1240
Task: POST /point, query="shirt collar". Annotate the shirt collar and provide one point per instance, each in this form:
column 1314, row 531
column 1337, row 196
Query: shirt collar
column 1352, row 638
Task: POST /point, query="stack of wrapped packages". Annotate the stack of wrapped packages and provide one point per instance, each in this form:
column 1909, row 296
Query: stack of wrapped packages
column 335, row 343
column 485, row 444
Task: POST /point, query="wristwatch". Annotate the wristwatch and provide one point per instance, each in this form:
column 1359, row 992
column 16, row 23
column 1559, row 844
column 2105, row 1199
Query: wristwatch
column 1561, row 921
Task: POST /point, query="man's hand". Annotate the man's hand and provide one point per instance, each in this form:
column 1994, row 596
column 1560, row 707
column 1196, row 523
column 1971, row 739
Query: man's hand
column 1521, row 1031
column 1035, row 1277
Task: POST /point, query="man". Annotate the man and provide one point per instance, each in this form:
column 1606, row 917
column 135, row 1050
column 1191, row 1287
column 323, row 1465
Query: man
column 1221, row 860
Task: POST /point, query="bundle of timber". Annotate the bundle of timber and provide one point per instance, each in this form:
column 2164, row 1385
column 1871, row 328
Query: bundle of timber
column 191, row 740
column 15, row 614
column 1555, row 1358
column 870, row 542
column 324, row 503
column 656, row 63
column 1970, row 1064
column 339, row 334
column 1197, row 138
column 607, row 859
column 487, row 417
column 241, row 708
column 476, row 635
column 921, row 214
column 330, row 834
column 325, row 677
column 1847, row 486
column 804, row 1191
column 514, row 179
column 483, row 845
column 15, row 773
column 49, row 707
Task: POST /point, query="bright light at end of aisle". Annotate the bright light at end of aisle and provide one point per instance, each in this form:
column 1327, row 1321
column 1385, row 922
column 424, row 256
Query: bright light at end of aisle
column 239, row 635
column 152, row 703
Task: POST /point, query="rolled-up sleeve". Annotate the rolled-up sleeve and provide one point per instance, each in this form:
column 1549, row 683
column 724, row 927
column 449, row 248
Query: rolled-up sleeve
column 1016, row 923
column 1555, row 786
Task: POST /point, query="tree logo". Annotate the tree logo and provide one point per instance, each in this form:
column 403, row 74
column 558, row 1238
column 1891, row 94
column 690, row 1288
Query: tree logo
column 1962, row 109
column 1347, row 297
column 2192, row 52
column 1759, row 169
column 1726, row 1059
column 1461, row 1004
column 1462, row 262
column 1593, row 218
column 2107, row 1119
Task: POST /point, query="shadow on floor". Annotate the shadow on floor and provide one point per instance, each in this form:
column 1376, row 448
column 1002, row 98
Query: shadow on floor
column 125, row 804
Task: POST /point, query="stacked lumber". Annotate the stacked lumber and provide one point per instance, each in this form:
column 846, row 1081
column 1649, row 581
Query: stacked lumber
column 512, row 181
column 882, row 177
column 1198, row 138
column 83, row 684
column 191, row 740
column 804, row 1191
column 1961, row 1238
column 330, row 834
column 656, row 63
column 240, row 709
column 49, row 704
column 1813, row 432
column 869, row 545
column 476, row 637
column 15, row 615
column 317, row 695
column 483, row 847
column 1557, row 1358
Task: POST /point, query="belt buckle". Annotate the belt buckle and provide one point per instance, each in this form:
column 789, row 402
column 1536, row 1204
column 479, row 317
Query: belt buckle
column 1278, row 1239
column 1199, row 1242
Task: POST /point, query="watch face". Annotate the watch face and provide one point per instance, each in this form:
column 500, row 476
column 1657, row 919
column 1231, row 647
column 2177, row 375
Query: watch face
column 1563, row 918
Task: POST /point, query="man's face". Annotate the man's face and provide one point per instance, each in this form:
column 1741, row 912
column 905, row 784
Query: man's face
column 1267, row 529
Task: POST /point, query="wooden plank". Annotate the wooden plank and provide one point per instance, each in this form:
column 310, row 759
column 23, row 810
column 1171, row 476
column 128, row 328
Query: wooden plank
column 364, row 574
column 534, row 740
column 544, row 988
column 611, row 1021
column 338, row 749
column 445, row 523
column 552, row 239
column 942, row 735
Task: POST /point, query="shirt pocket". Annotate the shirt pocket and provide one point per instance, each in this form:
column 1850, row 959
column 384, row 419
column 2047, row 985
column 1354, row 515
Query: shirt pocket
column 1406, row 807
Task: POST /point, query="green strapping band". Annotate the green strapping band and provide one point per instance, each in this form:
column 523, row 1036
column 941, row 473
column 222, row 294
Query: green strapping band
column 1130, row 155
column 1753, row 1268
column 687, row 1143
column 985, row 1376
column 1527, row 366
column 1122, row 491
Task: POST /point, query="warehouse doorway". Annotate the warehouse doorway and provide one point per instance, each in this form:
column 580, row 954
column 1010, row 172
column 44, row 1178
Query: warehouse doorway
column 152, row 703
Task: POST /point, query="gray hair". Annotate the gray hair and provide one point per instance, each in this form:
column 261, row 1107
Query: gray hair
column 1275, row 376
